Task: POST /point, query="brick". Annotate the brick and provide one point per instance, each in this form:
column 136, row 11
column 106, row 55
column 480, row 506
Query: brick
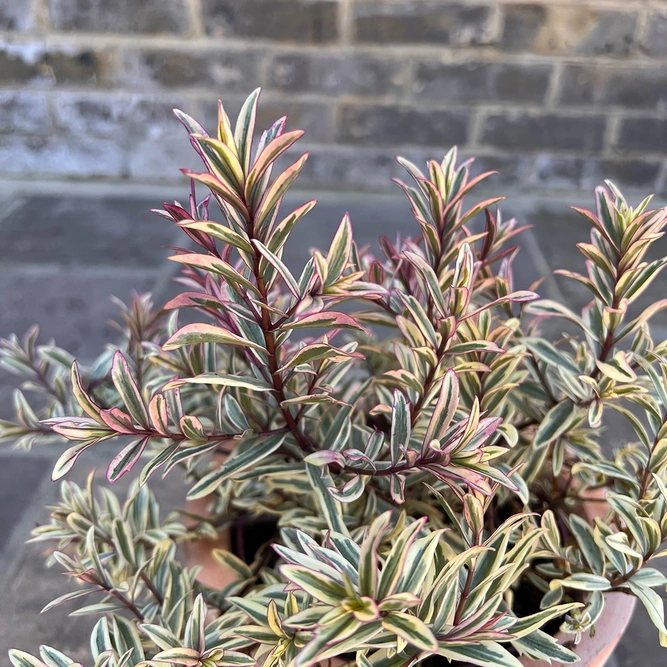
column 35, row 64
column 522, row 23
column 76, row 157
column 94, row 115
column 145, row 128
column 122, row 16
column 556, row 29
column 643, row 134
column 554, row 171
column 313, row 117
column 316, row 118
column 631, row 87
column 523, row 131
column 473, row 82
column 388, row 125
column 18, row 16
column 22, row 111
column 429, row 22
column 301, row 21
column 336, row 74
column 159, row 146
column 625, row 172
column 226, row 70
column 511, row 169
column 655, row 41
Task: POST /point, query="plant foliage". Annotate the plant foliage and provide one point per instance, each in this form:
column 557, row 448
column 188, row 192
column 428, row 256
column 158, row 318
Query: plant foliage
column 419, row 481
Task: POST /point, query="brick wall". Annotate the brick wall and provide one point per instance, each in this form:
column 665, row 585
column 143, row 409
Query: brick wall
column 554, row 93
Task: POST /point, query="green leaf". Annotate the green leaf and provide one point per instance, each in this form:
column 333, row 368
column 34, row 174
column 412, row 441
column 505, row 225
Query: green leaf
column 320, row 586
column 82, row 398
column 222, row 380
column 212, row 264
column 473, row 346
column 400, row 427
column 320, row 481
column 410, row 628
column 445, row 408
column 23, row 659
column 484, row 654
column 319, row 352
column 541, row 646
column 652, row 602
column 128, row 391
column 274, row 149
column 279, row 266
column 124, row 461
column 194, row 629
column 278, row 189
column 395, row 561
column 586, row 540
column 583, row 581
column 368, row 559
column 245, row 128
column 549, row 354
column 218, row 231
column 432, row 284
column 527, row 624
column 160, row 636
column 193, row 334
column 122, row 539
column 54, row 658
column 555, row 423
column 188, row 657
column 339, row 251
column 282, row 231
column 249, row 453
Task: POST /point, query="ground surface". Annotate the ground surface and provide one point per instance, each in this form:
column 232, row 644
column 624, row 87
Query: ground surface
column 62, row 255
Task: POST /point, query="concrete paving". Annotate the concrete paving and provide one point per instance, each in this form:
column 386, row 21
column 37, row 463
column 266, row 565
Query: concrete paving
column 61, row 257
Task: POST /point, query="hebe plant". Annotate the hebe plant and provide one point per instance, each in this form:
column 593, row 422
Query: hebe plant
column 421, row 482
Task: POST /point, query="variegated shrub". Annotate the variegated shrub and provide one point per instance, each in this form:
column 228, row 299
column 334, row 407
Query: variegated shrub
column 423, row 483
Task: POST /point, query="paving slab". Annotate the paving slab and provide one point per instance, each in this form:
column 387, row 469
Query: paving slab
column 62, row 257
column 88, row 231
column 31, row 584
column 19, row 477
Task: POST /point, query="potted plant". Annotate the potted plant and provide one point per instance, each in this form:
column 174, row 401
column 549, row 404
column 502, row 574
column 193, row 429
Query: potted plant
column 435, row 493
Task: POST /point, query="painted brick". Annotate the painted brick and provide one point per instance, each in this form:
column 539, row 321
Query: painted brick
column 555, row 171
column 584, row 30
column 643, row 134
column 16, row 15
column 624, row 172
column 423, row 23
column 655, row 41
column 631, row 87
column 122, row 16
column 301, row 21
column 472, row 82
column 31, row 63
column 78, row 157
column 348, row 168
column 387, row 125
column 600, row 85
column 356, row 74
column 163, row 68
column 24, row 111
column 523, row 131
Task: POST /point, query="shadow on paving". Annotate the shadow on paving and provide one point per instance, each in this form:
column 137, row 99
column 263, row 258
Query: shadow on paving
column 60, row 260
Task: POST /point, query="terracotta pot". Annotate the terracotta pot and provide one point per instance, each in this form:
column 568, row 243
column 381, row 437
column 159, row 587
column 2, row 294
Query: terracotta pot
column 200, row 552
column 593, row 651
column 618, row 607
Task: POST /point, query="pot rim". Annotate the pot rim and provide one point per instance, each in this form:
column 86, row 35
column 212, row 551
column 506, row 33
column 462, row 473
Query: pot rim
column 595, row 650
